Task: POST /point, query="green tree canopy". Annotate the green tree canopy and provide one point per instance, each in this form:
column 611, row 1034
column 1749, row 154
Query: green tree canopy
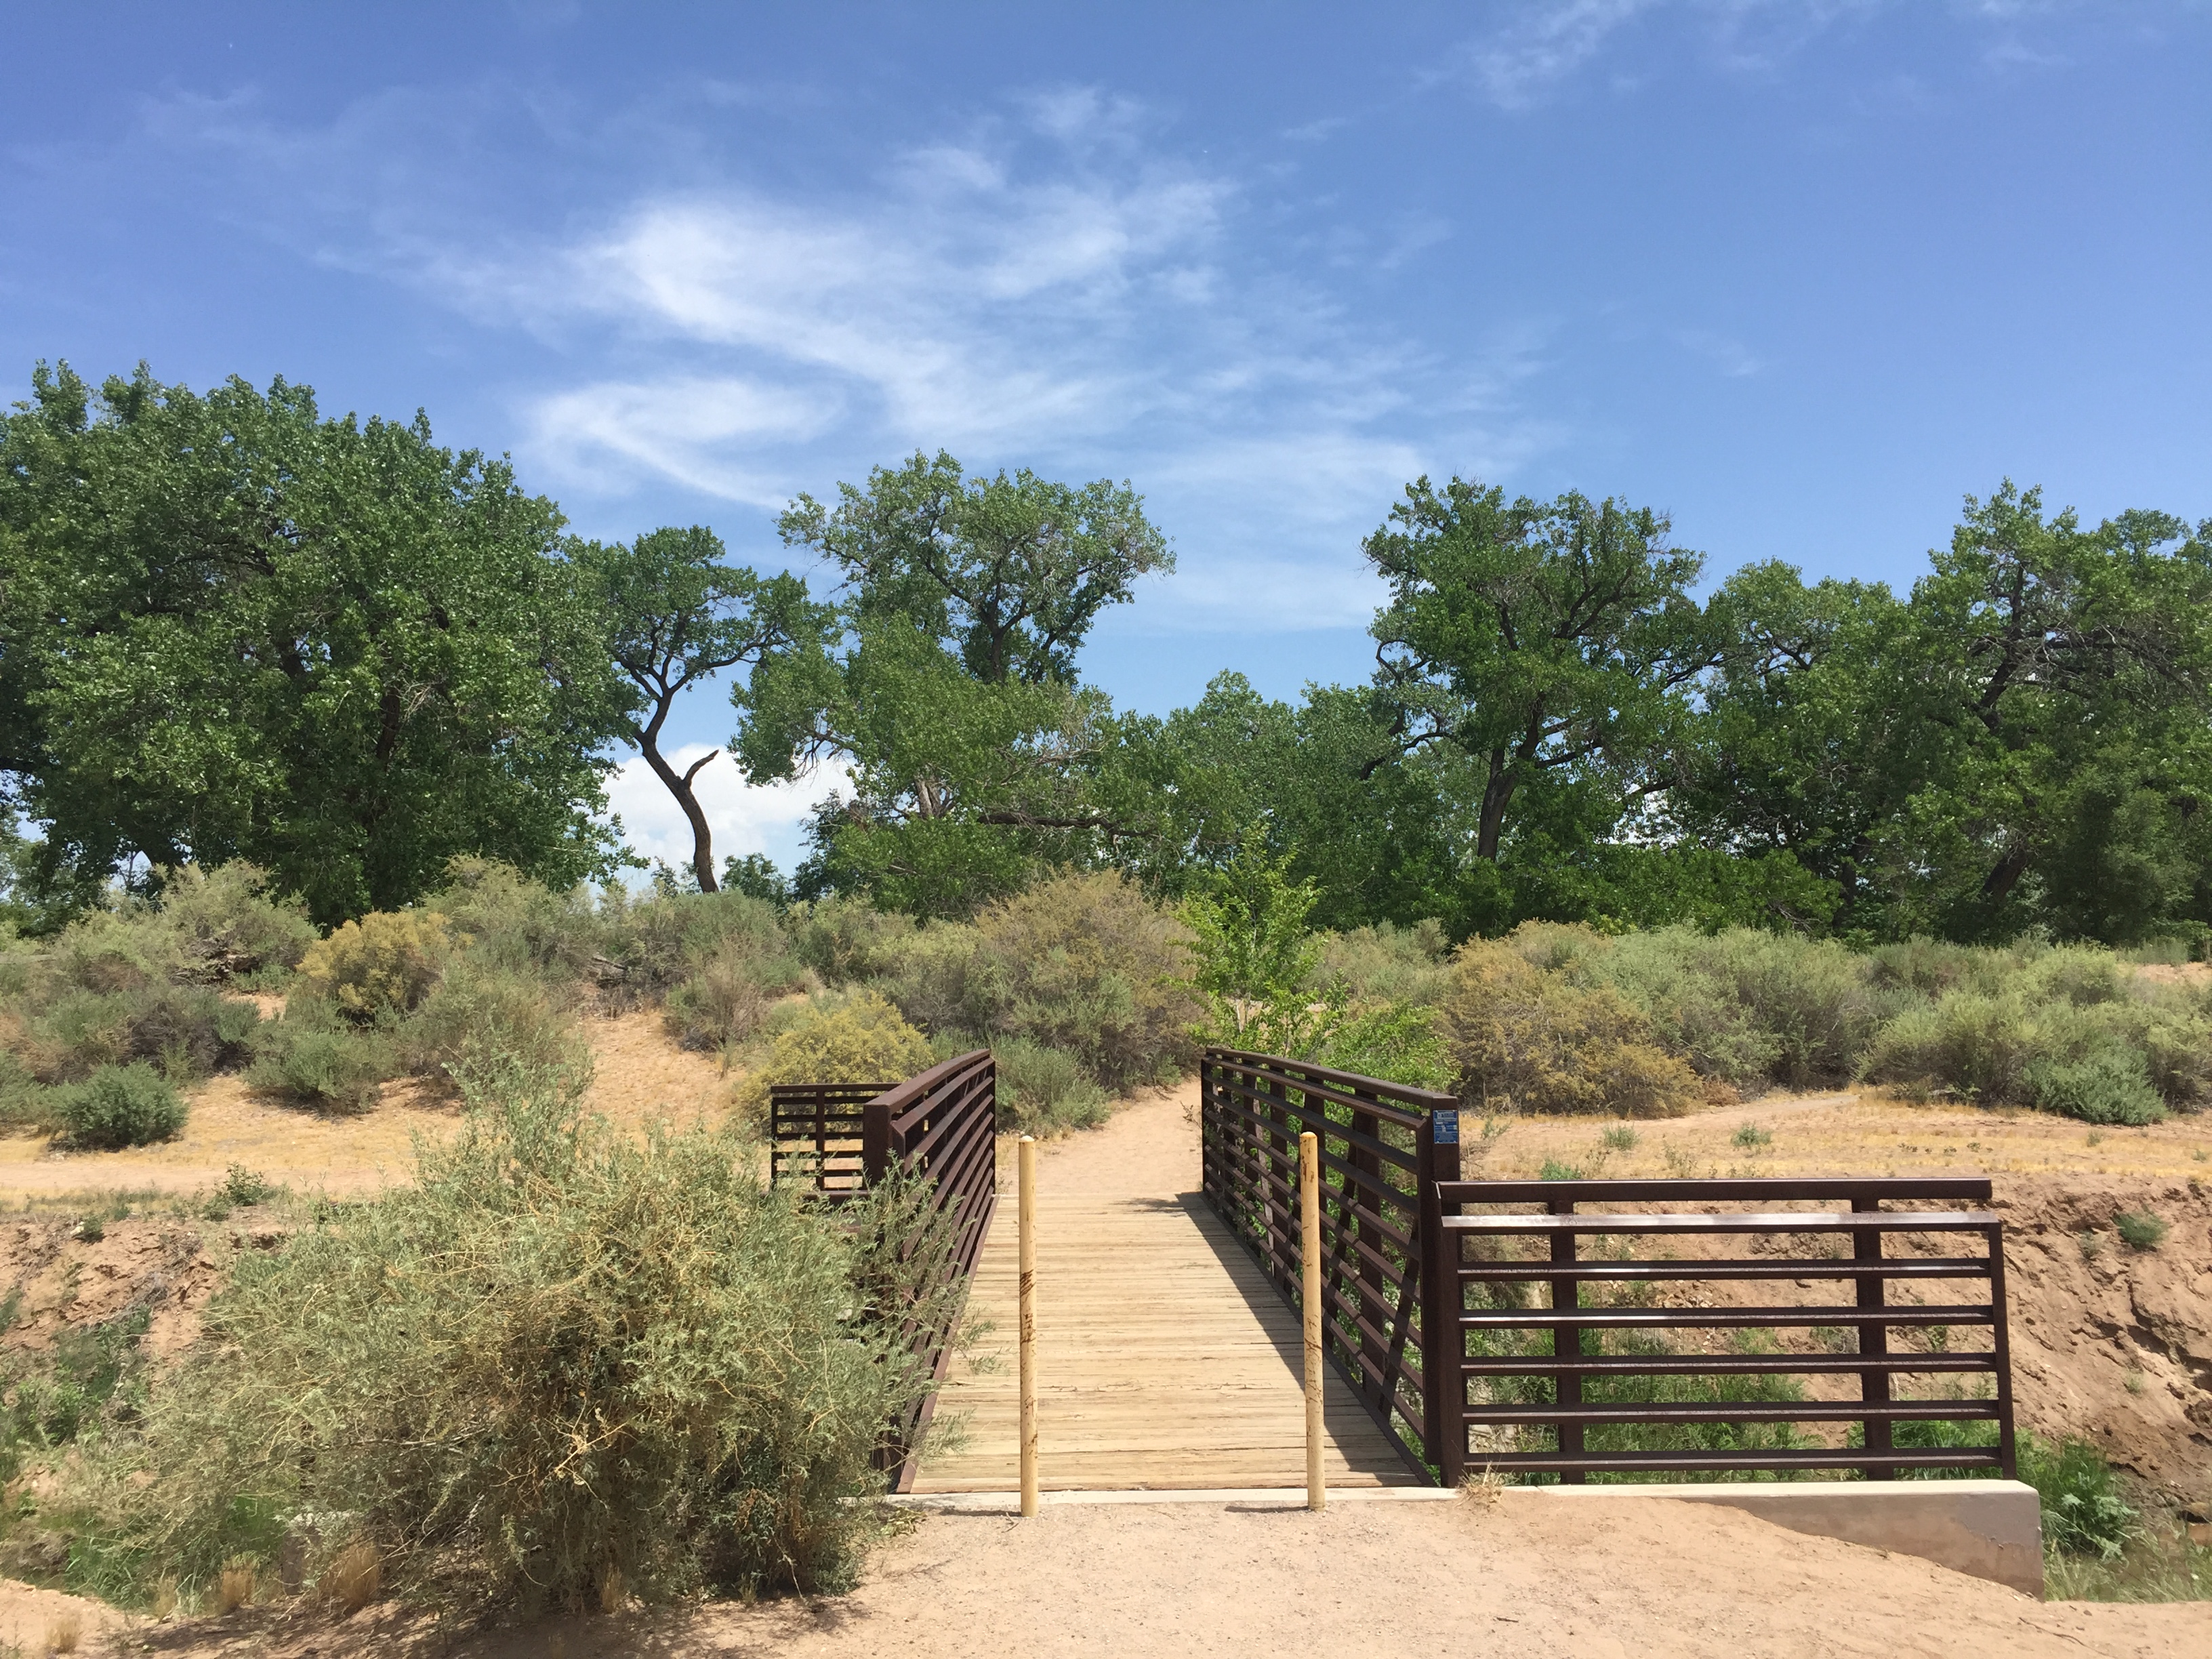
column 232, row 628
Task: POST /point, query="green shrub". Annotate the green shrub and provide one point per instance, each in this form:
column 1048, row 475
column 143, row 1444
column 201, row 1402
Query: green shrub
column 727, row 997
column 228, row 927
column 663, row 939
column 479, row 1011
column 2109, row 1085
column 1087, row 964
column 1397, row 1041
column 2140, row 1229
column 930, row 977
column 1387, row 963
column 2176, row 1045
column 846, row 940
column 1531, row 1040
column 558, row 1368
column 511, row 922
column 1977, row 1044
column 2083, row 1513
column 1751, row 1008
column 856, row 1038
column 379, row 967
column 122, row 1106
column 322, row 1062
column 1043, row 1091
column 25, row 1103
column 124, row 949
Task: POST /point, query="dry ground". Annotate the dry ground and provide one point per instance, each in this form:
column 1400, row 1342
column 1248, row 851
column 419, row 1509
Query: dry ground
column 1522, row 1577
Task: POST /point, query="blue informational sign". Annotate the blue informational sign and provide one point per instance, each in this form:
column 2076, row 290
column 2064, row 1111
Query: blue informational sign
column 1447, row 1128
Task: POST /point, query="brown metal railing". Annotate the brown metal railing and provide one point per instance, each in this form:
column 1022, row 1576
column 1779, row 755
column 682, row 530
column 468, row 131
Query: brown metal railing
column 842, row 1138
column 814, row 1135
column 1382, row 1145
column 1519, row 1368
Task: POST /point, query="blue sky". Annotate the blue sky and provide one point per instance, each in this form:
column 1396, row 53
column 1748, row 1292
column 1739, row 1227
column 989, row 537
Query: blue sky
column 1800, row 272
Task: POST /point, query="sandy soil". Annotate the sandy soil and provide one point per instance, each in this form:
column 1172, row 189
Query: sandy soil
column 1520, row 1576
column 640, row 1074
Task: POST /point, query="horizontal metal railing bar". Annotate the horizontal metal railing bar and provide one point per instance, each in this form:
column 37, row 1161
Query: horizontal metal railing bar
column 1704, row 1364
column 1310, row 1109
column 1927, row 1411
column 1783, row 1221
column 1234, row 1104
column 1631, row 1319
column 1961, row 1266
column 1837, row 1458
column 1900, row 1188
column 1276, row 1162
column 1405, row 1096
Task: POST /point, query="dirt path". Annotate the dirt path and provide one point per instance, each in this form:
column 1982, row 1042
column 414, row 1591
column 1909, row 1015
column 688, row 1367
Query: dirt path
column 1522, row 1577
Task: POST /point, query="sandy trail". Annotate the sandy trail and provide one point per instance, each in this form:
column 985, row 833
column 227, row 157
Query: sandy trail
column 1373, row 1579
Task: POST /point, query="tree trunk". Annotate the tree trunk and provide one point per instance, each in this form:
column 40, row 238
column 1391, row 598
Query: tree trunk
column 679, row 785
column 2010, row 868
column 1495, row 796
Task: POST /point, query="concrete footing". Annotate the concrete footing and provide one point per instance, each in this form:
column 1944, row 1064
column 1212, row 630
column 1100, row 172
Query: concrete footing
column 1990, row 1529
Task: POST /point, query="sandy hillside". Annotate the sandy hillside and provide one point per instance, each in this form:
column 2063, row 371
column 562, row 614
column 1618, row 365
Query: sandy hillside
column 1523, row 1577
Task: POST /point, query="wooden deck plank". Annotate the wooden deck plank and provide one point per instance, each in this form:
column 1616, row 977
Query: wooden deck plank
column 1166, row 1358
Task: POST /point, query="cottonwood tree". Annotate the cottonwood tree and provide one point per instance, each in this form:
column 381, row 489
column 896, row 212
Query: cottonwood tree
column 675, row 614
column 947, row 683
column 1552, row 644
column 232, row 628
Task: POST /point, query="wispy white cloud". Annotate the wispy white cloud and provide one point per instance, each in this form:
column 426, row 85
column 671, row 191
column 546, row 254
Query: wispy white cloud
column 1520, row 62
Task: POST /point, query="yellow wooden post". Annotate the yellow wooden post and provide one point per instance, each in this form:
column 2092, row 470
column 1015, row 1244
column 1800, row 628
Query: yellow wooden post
column 1028, row 1203
column 1309, row 1263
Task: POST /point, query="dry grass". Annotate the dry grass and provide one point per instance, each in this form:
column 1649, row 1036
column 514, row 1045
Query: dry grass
column 164, row 1595
column 234, row 1589
column 354, row 1578
column 64, row 1632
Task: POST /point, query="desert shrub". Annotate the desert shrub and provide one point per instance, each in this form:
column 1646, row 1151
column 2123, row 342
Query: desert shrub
column 1087, row 964
column 188, row 1029
column 2140, row 1229
column 478, row 1011
column 124, row 949
column 1387, row 963
column 510, row 922
column 1975, row 1043
column 855, row 1038
column 226, row 925
column 1043, row 1091
column 54, row 1400
column 660, row 941
column 1750, row 1007
column 379, row 967
column 2176, row 1045
column 1532, row 1040
column 728, row 994
column 2109, row 1085
column 25, row 1103
column 321, row 1060
column 1397, row 1041
column 122, row 1106
column 559, row 1366
column 931, row 978
column 846, row 939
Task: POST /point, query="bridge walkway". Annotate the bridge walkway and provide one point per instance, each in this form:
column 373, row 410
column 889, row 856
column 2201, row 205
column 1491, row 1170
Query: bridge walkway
column 1165, row 1358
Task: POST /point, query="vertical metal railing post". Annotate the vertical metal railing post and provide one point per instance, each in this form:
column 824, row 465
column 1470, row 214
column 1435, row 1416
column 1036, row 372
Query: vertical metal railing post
column 1566, row 1343
column 1874, row 1338
column 1436, row 1257
column 2008, row 1451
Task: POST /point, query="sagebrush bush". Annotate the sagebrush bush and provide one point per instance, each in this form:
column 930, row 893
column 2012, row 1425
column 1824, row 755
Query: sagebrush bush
column 1043, row 1091
column 323, row 1061
column 2109, row 1085
column 931, row 981
column 1535, row 1042
column 1089, row 965
column 857, row 1037
column 188, row 1029
column 559, row 1359
column 1387, row 963
column 514, row 923
column 727, row 995
column 227, row 927
column 122, row 1106
column 481, row 1010
column 379, row 967
column 663, row 939
column 846, row 940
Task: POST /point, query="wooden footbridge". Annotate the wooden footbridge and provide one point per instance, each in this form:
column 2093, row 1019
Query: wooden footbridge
column 1169, row 1354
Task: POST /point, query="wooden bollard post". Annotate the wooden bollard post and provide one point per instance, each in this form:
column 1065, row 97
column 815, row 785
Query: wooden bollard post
column 1027, row 1201
column 1310, row 1264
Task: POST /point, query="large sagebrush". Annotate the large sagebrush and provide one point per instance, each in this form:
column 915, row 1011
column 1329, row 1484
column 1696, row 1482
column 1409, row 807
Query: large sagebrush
column 563, row 1367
